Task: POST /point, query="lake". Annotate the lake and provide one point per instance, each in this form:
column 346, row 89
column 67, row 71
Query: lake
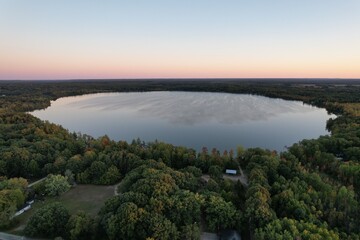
column 191, row 119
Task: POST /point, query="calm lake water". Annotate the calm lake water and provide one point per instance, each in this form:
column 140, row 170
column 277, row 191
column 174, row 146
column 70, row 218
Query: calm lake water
column 192, row 119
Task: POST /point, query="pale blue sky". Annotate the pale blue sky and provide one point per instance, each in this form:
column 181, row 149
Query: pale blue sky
column 45, row 39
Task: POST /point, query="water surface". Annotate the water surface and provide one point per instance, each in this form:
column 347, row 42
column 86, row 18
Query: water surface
column 192, row 119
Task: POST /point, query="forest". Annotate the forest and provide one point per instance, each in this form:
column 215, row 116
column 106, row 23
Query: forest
column 310, row 191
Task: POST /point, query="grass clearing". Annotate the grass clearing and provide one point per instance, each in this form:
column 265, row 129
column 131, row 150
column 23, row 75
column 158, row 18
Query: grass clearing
column 87, row 198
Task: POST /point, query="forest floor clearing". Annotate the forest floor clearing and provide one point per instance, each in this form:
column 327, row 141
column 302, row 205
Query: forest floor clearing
column 87, row 198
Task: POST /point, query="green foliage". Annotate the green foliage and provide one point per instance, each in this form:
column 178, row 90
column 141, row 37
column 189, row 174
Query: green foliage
column 16, row 183
column 162, row 228
column 111, row 176
column 257, row 206
column 34, row 169
column 212, row 186
column 129, row 215
column 215, row 172
column 184, row 207
column 49, row 221
column 55, row 185
column 7, row 210
column 152, row 204
column 190, row 232
column 96, row 170
column 289, row 229
column 193, row 170
column 81, row 226
column 220, row 214
column 12, row 196
column 70, row 176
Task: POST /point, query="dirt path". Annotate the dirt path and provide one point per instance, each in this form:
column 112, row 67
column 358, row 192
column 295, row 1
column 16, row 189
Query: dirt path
column 240, row 177
column 7, row 236
column 116, row 193
column 36, row 182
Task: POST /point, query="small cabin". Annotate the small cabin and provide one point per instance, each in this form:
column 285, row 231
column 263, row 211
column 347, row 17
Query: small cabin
column 231, row 171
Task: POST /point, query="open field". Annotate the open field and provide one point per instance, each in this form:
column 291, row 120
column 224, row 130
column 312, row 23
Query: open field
column 87, row 198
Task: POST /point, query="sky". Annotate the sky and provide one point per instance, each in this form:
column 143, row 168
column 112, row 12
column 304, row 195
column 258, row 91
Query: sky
column 90, row 39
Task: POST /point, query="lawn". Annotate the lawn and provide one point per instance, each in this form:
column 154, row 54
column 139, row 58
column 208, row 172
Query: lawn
column 87, row 198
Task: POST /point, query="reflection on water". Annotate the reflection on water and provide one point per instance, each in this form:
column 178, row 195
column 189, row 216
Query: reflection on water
column 188, row 108
column 192, row 119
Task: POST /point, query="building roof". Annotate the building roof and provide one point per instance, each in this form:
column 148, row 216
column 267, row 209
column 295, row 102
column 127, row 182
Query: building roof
column 231, row 171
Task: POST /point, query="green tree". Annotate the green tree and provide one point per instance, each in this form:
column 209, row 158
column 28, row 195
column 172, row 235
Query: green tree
column 215, row 172
column 14, row 196
column 7, row 210
column 161, row 228
column 347, row 203
column 257, row 208
column 81, row 226
column 212, row 186
column 111, row 176
column 33, row 168
column 55, row 185
column 3, row 171
column 17, row 183
column 126, row 222
column 289, row 229
column 70, row 177
column 220, row 214
column 96, row 170
column 49, row 221
column 184, row 208
column 193, row 170
column 190, row 232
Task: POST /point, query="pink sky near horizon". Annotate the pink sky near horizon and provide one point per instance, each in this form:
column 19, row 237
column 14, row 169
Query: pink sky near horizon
column 187, row 39
column 29, row 68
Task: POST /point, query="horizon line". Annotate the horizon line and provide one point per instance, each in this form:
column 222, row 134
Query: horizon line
column 186, row 78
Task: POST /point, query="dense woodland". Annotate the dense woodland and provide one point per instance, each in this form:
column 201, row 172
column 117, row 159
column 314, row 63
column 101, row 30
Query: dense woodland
column 311, row 191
